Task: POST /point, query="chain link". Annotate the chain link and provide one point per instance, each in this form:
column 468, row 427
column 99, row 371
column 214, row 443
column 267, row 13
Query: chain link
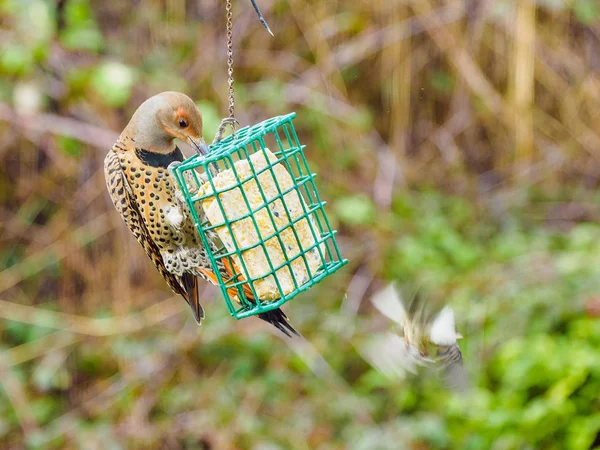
column 231, row 120
column 230, row 58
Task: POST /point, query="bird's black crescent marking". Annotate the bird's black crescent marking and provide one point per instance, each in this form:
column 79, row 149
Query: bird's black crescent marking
column 158, row 159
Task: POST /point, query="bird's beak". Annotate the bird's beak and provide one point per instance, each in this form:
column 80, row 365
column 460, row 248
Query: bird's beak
column 200, row 146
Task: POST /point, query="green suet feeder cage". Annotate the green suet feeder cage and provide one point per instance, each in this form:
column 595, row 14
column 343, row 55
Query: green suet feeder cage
column 254, row 195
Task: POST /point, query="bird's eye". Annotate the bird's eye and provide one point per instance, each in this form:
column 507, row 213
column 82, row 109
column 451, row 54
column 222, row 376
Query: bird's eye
column 183, row 123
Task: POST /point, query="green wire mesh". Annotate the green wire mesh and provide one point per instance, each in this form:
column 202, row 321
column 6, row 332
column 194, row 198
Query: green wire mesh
column 279, row 136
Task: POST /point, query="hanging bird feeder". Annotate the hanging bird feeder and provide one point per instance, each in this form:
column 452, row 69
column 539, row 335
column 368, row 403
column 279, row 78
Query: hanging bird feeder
column 255, row 195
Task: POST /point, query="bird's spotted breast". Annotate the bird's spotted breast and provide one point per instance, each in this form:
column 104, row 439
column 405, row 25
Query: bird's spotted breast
column 158, row 159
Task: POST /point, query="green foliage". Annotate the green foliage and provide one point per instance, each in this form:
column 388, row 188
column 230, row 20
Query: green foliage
column 355, row 210
column 541, row 395
column 113, row 82
column 442, row 81
column 70, row 147
column 587, row 11
column 211, row 119
column 14, row 60
column 81, row 30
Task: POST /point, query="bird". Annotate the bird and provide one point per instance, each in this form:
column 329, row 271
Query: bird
column 422, row 328
column 144, row 193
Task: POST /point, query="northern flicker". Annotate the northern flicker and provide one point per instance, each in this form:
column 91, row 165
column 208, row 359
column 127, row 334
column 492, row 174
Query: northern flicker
column 144, row 193
column 423, row 328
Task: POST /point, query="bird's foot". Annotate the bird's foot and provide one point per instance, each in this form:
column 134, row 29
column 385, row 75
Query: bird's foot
column 175, row 182
column 171, row 168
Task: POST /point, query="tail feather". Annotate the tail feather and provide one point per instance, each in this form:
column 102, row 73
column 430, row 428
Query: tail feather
column 190, row 284
column 455, row 374
column 279, row 320
column 275, row 317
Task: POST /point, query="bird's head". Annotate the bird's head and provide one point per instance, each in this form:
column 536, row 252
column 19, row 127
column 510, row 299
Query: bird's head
column 165, row 117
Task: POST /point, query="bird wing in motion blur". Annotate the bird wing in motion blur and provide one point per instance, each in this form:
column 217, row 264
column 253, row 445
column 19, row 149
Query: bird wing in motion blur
column 422, row 329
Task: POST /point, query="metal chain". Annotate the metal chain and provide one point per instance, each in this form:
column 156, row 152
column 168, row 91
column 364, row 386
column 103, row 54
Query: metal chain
column 231, row 120
column 230, row 57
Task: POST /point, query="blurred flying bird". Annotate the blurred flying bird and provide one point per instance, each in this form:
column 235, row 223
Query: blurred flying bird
column 144, row 193
column 422, row 329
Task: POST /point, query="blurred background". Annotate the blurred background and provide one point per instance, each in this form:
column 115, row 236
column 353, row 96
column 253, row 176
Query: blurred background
column 458, row 146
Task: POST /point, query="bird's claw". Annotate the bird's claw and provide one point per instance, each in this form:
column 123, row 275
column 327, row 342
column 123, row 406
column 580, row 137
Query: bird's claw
column 171, row 168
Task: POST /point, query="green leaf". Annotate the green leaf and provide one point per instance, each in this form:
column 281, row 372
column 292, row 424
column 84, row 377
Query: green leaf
column 81, row 32
column 587, row 11
column 15, row 59
column 69, row 146
column 210, row 120
column 36, row 22
column 355, row 210
column 113, row 82
column 582, row 431
column 442, row 81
